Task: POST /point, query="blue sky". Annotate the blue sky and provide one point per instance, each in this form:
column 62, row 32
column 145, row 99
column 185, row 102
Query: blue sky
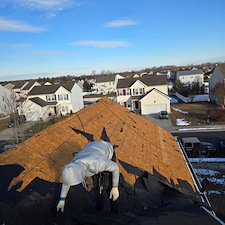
column 48, row 38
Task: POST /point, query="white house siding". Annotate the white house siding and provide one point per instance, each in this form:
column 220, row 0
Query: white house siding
column 34, row 112
column 154, row 102
column 162, row 88
column 63, row 98
column 107, row 86
column 191, row 76
column 77, row 98
column 5, row 95
column 215, row 78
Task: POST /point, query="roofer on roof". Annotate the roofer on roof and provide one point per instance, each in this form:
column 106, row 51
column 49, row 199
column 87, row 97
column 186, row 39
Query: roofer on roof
column 91, row 161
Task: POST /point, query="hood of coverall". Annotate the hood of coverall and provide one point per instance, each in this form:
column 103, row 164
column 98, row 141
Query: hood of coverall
column 107, row 151
column 73, row 174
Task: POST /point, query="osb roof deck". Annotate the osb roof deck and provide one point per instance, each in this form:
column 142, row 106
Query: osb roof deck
column 140, row 143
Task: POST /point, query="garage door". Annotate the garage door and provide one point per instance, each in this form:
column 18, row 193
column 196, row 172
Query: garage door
column 150, row 109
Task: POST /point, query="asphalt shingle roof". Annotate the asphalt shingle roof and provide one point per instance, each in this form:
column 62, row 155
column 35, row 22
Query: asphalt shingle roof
column 105, row 78
column 148, row 80
column 29, row 85
column 41, row 102
column 190, row 72
column 50, row 89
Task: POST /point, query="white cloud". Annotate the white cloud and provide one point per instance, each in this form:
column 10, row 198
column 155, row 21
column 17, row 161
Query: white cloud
column 18, row 26
column 51, row 53
column 121, row 23
column 101, row 44
column 43, row 4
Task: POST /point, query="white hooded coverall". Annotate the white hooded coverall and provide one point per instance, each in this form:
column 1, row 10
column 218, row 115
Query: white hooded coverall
column 94, row 158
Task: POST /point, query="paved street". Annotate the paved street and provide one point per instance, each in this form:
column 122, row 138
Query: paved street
column 167, row 125
column 11, row 133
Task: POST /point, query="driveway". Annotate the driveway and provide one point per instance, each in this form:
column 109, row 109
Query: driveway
column 164, row 123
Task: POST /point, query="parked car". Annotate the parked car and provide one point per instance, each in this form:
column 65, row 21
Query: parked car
column 16, row 121
column 190, row 144
column 195, row 148
column 163, row 115
column 207, row 148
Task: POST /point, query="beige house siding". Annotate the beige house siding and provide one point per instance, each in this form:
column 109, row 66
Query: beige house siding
column 154, row 102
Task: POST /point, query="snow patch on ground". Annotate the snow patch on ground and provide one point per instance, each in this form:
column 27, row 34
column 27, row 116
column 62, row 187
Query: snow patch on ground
column 179, row 110
column 210, row 160
column 182, row 122
column 206, row 172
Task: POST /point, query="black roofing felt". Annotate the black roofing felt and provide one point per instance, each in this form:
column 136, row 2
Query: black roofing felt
column 149, row 81
column 50, row 89
column 147, row 203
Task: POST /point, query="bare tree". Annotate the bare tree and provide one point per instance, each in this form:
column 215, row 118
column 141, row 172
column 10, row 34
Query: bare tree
column 10, row 107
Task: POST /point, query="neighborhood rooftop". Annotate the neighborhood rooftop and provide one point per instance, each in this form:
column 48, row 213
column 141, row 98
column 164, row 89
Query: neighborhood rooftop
column 49, row 89
column 190, row 72
column 148, row 80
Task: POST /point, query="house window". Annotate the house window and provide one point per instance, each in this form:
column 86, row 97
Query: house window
column 128, row 91
column 138, row 91
column 65, row 108
column 62, row 97
column 120, row 92
column 50, row 98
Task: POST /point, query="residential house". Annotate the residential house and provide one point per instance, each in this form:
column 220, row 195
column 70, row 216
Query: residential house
column 157, row 183
column 191, row 76
column 145, row 95
column 21, row 88
column 47, row 100
column 17, row 87
column 28, row 87
column 5, row 99
column 218, row 76
column 105, row 84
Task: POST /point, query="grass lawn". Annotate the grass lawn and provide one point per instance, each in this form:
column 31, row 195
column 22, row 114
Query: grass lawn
column 3, row 124
column 196, row 113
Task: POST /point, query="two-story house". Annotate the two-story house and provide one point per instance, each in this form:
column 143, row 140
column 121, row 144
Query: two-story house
column 105, row 84
column 217, row 77
column 145, row 95
column 47, row 100
column 191, row 76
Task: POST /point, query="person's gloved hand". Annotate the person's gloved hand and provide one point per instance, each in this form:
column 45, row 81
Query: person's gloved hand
column 114, row 193
column 60, row 206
